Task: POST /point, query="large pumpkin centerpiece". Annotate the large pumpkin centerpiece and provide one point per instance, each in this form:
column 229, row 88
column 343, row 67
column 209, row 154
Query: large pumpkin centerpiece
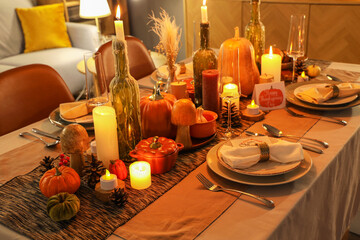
column 155, row 112
column 56, row 180
column 242, row 49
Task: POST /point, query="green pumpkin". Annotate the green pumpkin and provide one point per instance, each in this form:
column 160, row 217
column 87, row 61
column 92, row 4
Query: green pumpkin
column 63, row 206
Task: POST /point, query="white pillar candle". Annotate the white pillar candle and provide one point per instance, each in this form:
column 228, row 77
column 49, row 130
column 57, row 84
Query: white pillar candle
column 140, row 175
column 108, row 181
column 231, row 90
column 271, row 64
column 105, row 134
column 119, row 26
column 252, row 108
column 204, row 16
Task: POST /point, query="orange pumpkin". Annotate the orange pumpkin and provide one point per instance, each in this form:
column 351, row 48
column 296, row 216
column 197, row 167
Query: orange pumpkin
column 271, row 97
column 249, row 73
column 155, row 112
column 57, row 180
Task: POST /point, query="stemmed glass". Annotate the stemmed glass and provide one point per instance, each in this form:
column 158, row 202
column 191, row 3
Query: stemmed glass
column 96, row 89
column 229, row 87
column 296, row 42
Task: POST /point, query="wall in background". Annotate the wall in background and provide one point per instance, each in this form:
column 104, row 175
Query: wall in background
column 139, row 11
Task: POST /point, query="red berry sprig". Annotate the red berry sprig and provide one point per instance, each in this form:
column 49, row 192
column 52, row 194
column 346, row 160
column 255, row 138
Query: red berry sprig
column 64, row 160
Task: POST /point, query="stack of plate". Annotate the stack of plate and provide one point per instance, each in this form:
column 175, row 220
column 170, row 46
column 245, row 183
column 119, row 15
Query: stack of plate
column 267, row 173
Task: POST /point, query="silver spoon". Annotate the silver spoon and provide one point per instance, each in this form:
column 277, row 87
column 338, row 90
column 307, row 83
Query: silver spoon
column 278, row 133
column 51, row 144
column 333, row 120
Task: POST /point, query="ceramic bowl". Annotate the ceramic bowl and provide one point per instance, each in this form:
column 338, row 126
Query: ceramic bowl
column 205, row 129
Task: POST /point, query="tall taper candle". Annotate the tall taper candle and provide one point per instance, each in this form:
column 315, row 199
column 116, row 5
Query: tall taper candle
column 119, row 26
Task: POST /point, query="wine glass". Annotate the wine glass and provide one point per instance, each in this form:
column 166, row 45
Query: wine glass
column 296, row 42
column 96, row 90
column 229, row 86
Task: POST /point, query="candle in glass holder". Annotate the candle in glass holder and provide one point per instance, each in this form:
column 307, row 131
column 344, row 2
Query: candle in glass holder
column 252, row 108
column 108, row 181
column 271, row 64
column 178, row 88
column 204, row 16
column 210, row 90
column 105, row 134
column 119, row 26
column 140, row 175
column 231, row 89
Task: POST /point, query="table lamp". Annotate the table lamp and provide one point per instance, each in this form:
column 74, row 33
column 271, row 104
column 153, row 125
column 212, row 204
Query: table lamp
column 94, row 9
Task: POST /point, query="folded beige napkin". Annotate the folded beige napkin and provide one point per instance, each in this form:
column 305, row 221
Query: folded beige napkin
column 244, row 153
column 73, row 110
column 321, row 94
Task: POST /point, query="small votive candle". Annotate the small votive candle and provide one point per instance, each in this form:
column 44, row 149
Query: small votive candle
column 252, row 108
column 140, row 175
column 303, row 77
column 108, row 181
column 266, row 78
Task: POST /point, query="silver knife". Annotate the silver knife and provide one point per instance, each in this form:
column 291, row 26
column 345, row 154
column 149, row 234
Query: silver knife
column 40, row 132
column 304, row 146
column 333, row 78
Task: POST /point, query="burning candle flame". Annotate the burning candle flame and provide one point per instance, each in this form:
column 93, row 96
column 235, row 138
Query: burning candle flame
column 107, row 175
column 118, row 12
column 270, row 51
column 303, row 74
column 252, row 104
column 204, row 2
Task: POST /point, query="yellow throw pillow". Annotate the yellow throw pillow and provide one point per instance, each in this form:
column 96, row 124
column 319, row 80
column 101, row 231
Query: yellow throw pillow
column 44, row 27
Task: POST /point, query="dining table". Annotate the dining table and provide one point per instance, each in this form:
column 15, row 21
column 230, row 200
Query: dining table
column 317, row 201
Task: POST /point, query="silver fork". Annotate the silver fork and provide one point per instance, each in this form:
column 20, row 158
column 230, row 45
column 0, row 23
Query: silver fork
column 215, row 188
column 330, row 119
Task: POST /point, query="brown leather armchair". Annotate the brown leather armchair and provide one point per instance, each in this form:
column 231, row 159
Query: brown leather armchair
column 140, row 62
column 28, row 94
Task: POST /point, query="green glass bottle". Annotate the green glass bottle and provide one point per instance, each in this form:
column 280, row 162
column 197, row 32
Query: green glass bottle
column 125, row 98
column 204, row 58
column 255, row 32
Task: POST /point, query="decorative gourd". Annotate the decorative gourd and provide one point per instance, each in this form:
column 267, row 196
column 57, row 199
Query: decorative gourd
column 63, row 206
column 56, row 180
column 183, row 115
column 118, row 168
column 271, row 97
column 313, row 70
column 155, row 112
column 249, row 73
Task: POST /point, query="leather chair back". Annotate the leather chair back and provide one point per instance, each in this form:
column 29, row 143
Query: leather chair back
column 28, row 94
column 140, row 61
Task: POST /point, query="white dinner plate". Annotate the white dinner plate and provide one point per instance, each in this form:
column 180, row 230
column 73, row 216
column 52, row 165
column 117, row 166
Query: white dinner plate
column 215, row 166
column 267, row 168
column 331, row 102
column 55, row 118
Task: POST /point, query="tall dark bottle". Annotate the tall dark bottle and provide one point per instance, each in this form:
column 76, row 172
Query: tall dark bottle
column 255, row 31
column 204, row 58
column 125, row 98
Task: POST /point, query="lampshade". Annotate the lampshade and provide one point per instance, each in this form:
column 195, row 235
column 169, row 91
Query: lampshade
column 94, row 8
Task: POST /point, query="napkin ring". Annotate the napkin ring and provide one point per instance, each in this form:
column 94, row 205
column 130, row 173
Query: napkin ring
column 335, row 90
column 264, row 151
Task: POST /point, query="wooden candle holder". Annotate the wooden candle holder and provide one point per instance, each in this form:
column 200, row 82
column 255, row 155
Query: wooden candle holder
column 257, row 117
column 104, row 195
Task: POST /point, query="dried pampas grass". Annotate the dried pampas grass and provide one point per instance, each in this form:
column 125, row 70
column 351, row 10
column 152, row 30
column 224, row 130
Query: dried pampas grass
column 169, row 34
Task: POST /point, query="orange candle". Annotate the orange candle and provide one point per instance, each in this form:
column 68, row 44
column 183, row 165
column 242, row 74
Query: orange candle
column 210, row 90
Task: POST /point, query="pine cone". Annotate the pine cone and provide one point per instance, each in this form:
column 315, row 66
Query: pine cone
column 299, row 67
column 47, row 162
column 119, row 196
column 235, row 117
column 94, row 169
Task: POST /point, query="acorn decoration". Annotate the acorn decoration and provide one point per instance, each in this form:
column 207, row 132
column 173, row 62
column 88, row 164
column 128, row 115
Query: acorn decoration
column 235, row 117
column 94, row 169
column 47, row 162
column 118, row 196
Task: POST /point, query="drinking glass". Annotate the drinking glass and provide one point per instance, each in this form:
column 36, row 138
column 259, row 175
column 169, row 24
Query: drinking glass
column 96, row 89
column 296, row 41
column 229, row 87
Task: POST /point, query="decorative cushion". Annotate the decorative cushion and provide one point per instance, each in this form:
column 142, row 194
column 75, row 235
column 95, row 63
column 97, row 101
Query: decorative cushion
column 44, row 27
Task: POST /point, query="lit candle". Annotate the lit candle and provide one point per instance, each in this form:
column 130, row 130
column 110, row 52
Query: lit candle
column 271, row 64
column 108, row 181
column 119, row 26
column 178, row 89
column 252, row 108
column 303, row 77
column 231, row 90
column 105, row 134
column 204, row 16
column 140, row 175
column 210, row 90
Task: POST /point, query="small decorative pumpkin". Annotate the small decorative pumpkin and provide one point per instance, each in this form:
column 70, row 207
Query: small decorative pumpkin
column 313, row 70
column 155, row 112
column 118, row 168
column 249, row 73
column 56, row 180
column 271, row 97
column 63, row 206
